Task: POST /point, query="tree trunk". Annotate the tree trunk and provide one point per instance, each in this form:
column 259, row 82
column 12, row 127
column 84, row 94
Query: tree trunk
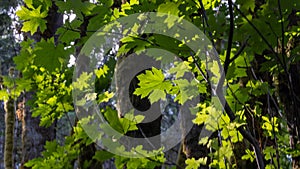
column 34, row 137
column 2, row 130
column 291, row 102
column 126, row 82
column 9, row 133
column 190, row 147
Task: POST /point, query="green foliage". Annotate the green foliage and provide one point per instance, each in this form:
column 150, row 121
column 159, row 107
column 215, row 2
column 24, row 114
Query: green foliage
column 169, row 8
column 264, row 49
column 250, row 155
column 153, row 83
column 24, row 59
column 123, row 125
column 186, row 90
column 103, row 155
column 56, row 156
column 145, row 163
column 83, row 81
column 179, row 69
column 50, row 56
column 34, row 15
column 79, row 7
column 13, row 87
column 270, row 126
column 195, row 164
column 154, row 86
column 53, row 97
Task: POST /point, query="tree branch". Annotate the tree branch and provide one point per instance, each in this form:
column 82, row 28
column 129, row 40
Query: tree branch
column 229, row 46
column 200, row 70
column 245, row 134
column 261, row 35
column 282, row 33
column 206, row 21
column 237, row 54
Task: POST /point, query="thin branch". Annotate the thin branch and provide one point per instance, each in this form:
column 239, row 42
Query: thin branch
column 282, row 33
column 206, row 22
column 237, row 54
column 271, row 96
column 273, row 130
column 198, row 67
column 282, row 62
column 246, row 134
column 231, row 28
column 260, row 34
column 289, row 77
column 249, row 137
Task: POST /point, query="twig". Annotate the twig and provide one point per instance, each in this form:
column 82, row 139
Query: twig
column 198, row 67
column 206, row 21
column 237, row 54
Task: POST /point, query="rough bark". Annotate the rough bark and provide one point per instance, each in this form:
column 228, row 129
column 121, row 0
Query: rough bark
column 34, row 136
column 9, row 133
column 191, row 147
column 2, row 130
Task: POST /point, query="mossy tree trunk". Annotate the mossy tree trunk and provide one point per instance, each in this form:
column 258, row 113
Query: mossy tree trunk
column 9, row 133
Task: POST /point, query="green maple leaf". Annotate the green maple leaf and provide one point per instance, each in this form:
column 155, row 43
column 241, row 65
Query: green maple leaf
column 67, row 36
column 33, row 19
column 153, row 84
column 25, row 57
column 24, row 84
column 187, row 90
column 156, row 95
column 22, row 60
column 192, row 163
column 104, row 97
column 246, row 5
column 102, row 155
column 102, row 71
column 50, row 56
column 33, row 24
column 113, row 119
column 83, row 81
column 169, row 8
column 180, row 68
column 31, row 3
